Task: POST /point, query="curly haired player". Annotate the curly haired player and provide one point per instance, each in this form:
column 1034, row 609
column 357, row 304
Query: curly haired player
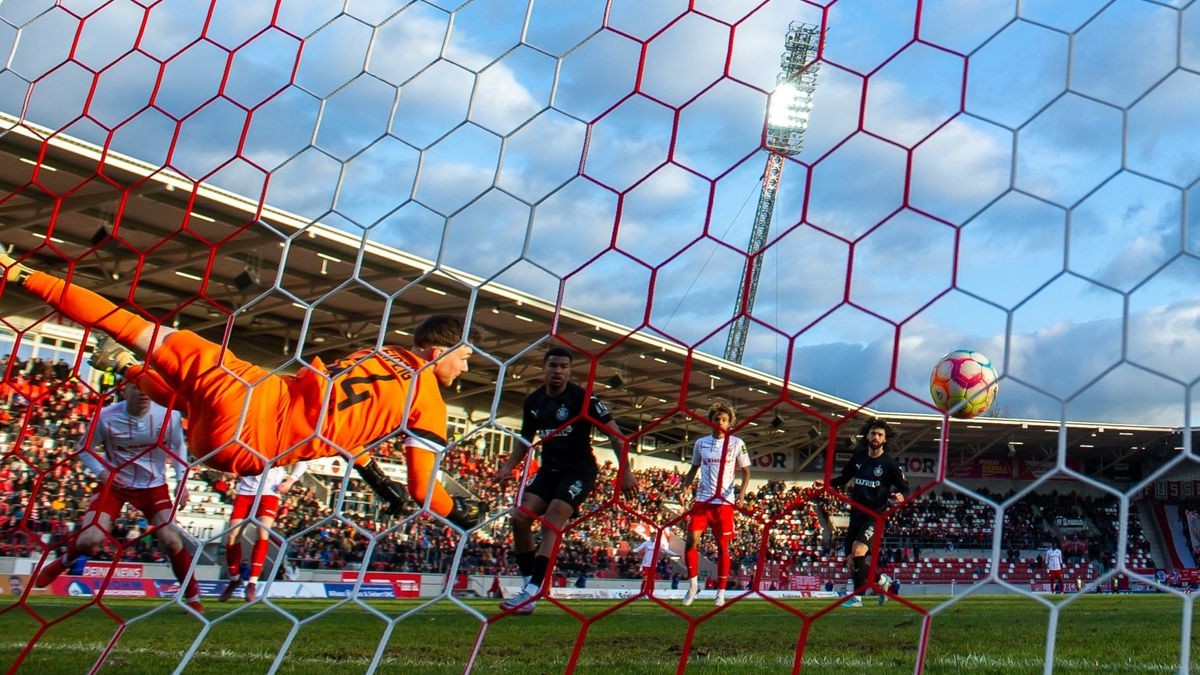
column 715, row 457
column 243, row 418
column 875, row 478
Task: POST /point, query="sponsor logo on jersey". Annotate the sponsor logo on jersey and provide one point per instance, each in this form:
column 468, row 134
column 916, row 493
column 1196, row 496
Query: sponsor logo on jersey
column 564, row 431
column 866, row 483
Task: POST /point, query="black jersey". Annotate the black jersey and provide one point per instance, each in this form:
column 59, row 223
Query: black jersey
column 563, row 443
column 872, row 479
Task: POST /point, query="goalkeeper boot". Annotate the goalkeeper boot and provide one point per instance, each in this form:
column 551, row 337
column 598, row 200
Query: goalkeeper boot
column 852, row 601
column 111, row 354
column 234, row 584
column 49, row 573
column 690, row 596
column 466, row 513
column 13, row 270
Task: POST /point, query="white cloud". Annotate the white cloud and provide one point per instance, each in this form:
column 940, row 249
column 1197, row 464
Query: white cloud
column 961, row 168
column 955, row 173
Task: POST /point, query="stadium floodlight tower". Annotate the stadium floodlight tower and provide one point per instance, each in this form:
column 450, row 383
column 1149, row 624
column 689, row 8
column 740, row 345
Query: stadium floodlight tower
column 787, row 119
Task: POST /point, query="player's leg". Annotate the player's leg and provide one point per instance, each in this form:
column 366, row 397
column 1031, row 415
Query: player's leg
column 859, row 567
column 856, row 550
column 169, row 535
column 521, row 520
column 92, row 535
column 883, row 581
column 574, row 487
column 233, row 545
column 422, row 481
column 569, row 489
column 86, row 307
column 267, row 508
column 95, row 525
column 697, row 523
column 723, row 532
column 195, row 370
column 558, row 514
column 524, row 547
column 649, row 573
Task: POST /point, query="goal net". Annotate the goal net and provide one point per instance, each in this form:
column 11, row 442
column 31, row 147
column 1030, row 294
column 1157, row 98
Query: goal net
column 696, row 219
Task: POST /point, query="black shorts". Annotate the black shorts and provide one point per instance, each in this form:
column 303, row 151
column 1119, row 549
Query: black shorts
column 862, row 528
column 570, row 484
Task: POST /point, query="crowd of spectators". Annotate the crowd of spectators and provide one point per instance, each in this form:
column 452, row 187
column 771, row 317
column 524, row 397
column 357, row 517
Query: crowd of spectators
column 44, row 411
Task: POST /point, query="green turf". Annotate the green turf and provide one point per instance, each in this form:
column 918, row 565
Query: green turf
column 992, row 634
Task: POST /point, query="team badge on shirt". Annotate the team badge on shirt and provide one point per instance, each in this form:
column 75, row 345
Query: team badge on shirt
column 562, row 413
column 878, row 471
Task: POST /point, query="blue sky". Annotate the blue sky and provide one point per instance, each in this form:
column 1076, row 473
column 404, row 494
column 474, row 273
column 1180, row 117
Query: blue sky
column 1063, row 172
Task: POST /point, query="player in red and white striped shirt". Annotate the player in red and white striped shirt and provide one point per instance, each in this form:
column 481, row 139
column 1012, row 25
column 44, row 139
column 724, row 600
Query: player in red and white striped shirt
column 716, row 457
column 127, row 452
column 268, row 488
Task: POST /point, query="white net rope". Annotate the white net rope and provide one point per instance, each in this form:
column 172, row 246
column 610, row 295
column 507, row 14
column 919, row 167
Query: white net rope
column 296, row 180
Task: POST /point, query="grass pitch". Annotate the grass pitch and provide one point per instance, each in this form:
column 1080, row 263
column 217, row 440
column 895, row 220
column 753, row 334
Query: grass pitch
column 992, row 634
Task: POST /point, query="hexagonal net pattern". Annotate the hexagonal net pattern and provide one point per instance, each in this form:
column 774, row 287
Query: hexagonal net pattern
column 303, row 183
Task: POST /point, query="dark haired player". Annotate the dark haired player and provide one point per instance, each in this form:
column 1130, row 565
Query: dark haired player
column 562, row 415
column 874, row 477
column 244, row 419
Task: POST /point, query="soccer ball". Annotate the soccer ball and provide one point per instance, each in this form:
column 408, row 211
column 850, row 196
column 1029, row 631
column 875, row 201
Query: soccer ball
column 963, row 383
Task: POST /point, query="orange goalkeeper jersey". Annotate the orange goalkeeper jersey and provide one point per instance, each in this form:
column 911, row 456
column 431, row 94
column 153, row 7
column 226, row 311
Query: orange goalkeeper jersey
column 363, row 398
column 322, row 411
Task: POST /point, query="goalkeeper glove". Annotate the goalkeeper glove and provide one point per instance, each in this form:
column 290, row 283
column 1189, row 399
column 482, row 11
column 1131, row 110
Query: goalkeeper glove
column 386, row 488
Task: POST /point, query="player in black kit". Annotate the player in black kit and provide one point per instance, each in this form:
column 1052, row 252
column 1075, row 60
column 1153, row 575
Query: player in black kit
column 875, row 478
column 555, row 412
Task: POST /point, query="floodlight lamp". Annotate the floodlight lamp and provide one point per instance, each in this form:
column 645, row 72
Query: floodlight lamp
column 782, row 110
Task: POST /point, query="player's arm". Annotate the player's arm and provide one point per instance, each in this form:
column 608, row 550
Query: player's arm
column 89, row 447
column 666, row 551
column 91, row 462
column 691, row 474
column 293, row 476
column 608, row 426
column 177, row 447
column 899, row 482
column 395, row 494
column 629, row 484
column 528, row 432
column 744, row 464
column 841, row 480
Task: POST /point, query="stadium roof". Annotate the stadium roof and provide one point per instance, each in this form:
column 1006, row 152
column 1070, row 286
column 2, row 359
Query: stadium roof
column 276, row 284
